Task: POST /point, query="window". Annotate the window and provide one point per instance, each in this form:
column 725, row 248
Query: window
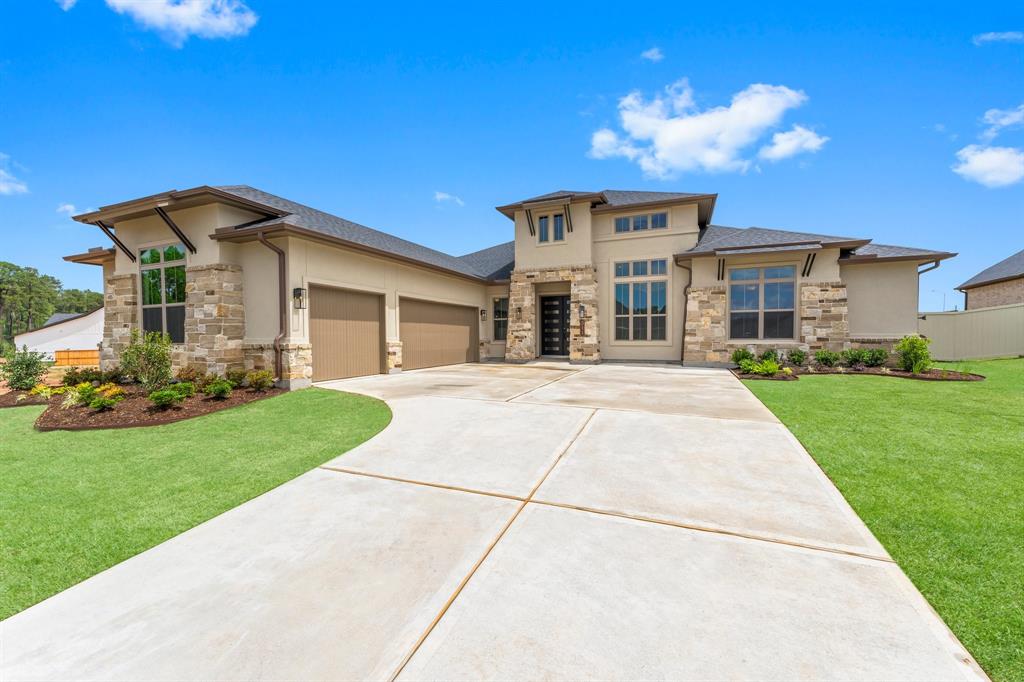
column 638, row 223
column 559, row 221
column 641, row 307
column 542, row 228
column 500, row 319
column 762, row 303
column 163, row 291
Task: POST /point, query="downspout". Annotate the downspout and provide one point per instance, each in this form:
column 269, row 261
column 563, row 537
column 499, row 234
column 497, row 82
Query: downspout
column 686, row 304
column 282, row 301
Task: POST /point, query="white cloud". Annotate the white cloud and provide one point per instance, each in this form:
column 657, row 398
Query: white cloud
column 441, row 197
column 669, row 134
column 66, row 4
column 792, row 142
column 653, row 54
column 179, row 19
column 9, row 184
column 997, row 119
column 67, row 209
column 998, row 37
column 990, row 166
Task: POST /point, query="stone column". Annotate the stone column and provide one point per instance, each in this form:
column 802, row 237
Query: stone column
column 704, row 338
column 823, row 316
column 584, row 345
column 394, row 350
column 214, row 318
column 120, row 316
column 521, row 343
column 296, row 365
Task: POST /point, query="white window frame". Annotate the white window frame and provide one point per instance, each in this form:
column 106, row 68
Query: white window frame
column 761, row 310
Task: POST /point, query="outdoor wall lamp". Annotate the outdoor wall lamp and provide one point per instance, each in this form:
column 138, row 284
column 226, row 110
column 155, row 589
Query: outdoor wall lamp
column 299, row 298
column 582, row 311
column 483, row 314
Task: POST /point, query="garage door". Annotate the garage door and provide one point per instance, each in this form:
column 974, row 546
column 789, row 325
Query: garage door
column 345, row 330
column 436, row 334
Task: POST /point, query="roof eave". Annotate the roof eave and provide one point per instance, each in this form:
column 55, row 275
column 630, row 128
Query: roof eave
column 137, row 207
column 967, row 285
column 509, row 210
column 875, row 258
column 92, row 257
column 618, row 208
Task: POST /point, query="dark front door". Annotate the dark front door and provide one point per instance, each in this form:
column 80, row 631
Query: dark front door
column 554, row 325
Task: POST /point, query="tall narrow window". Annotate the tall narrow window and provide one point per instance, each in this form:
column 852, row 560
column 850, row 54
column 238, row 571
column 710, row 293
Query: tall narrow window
column 542, row 229
column 762, row 302
column 500, row 319
column 641, row 302
column 559, row 225
column 163, row 291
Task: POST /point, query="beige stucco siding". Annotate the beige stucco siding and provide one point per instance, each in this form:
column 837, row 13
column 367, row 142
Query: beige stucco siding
column 574, row 250
column 311, row 263
column 825, row 269
column 882, row 298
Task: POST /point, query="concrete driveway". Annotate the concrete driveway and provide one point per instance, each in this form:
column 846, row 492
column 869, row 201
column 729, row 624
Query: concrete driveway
column 527, row 522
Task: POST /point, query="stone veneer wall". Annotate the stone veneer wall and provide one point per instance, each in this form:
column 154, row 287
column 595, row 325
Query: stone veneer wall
column 521, row 343
column 822, row 323
column 1000, row 293
column 394, row 351
column 120, row 316
column 214, row 318
column 296, row 361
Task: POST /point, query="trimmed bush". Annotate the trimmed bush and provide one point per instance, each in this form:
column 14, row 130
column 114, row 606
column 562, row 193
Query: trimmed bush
column 165, row 398
column 23, row 370
column 148, row 360
column 236, row 377
column 747, row 365
column 769, row 354
column 826, row 358
column 767, row 367
column 876, row 357
column 854, row 357
column 219, row 389
column 741, row 354
column 796, row 357
column 912, row 354
column 186, row 389
column 260, row 380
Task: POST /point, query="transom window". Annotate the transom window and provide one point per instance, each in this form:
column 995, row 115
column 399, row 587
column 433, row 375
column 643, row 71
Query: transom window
column 762, row 302
column 500, row 319
column 641, row 305
column 644, row 221
column 551, row 228
column 163, row 290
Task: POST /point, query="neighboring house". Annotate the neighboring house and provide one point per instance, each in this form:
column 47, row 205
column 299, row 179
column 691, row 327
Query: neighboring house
column 1001, row 284
column 64, row 331
column 241, row 278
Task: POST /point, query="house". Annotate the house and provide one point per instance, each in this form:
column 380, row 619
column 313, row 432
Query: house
column 64, row 331
column 242, row 278
column 1001, row 284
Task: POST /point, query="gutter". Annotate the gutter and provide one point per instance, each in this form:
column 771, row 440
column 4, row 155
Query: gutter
column 686, row 305
column 282, row 300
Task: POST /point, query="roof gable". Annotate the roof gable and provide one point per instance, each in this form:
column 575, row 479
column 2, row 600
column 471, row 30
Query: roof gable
column 1009, row 268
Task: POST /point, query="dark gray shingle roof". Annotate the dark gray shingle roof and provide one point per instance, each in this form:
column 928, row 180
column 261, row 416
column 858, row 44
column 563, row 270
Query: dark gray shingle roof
column 333, row 226
column 1010, row 268
column 496, row 262
column 57, row 318
column 719, row 237
column 618, row 197
column 889, row 251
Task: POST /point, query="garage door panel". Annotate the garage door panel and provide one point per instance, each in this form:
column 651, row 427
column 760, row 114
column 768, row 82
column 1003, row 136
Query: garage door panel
column 345, row 329
column 435, row 334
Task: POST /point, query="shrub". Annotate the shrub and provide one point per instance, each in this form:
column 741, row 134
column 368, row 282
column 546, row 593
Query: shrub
column 23, row 370
column 796, row 357
column 107, row 399
column 190, row 373
column 826, row 358
column 81, row 394
column 236, row 377
column 766, row 367
column 112, row 391
column 741, row 354
column 854, row 357
column 747, row 365
column 219, row 389
column 260, row 380
column 912, row 354
column 186, row 389
column 165, row 398
column 876, row 357
column 77, row 375
column 769, row 354
column 148, row 360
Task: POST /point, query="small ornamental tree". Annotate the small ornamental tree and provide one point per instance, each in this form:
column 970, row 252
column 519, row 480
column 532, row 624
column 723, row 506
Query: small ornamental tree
column 23, row 370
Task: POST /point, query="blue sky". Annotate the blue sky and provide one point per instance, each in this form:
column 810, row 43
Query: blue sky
column 808, row 119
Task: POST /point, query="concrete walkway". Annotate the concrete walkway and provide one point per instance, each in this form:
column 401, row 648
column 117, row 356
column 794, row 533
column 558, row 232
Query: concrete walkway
column 527, row 522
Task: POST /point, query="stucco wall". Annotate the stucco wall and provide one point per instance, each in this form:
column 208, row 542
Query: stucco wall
column 574, row 250
column 882, row 298
column 1000, row 293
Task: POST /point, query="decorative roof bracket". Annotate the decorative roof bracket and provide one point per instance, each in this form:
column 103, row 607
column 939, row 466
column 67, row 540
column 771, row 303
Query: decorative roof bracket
column 174, row 228
column 107, row 230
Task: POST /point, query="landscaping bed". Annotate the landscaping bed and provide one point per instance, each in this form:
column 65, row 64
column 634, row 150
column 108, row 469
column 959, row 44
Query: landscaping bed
column 11, row 399
column 932, row 374
column 137, row 410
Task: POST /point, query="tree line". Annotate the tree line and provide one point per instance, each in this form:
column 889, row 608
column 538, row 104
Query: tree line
column 28, row 298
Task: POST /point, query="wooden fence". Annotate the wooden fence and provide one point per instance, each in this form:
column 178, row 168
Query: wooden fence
column 975, row 334
column 76, row 358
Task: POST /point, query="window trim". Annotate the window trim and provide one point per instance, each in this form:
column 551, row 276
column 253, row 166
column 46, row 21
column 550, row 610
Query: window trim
column 162, row 267
column 495, row 319
column 761, row 310
column 551, row 232
column 629, row 281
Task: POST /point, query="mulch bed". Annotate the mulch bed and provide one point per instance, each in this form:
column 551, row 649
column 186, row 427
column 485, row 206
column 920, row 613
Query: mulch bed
column 10, row 399
column 137, row 410
column 931, row 375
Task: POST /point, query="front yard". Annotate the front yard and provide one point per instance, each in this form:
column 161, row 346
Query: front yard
column 936, row 470
column 73, row 503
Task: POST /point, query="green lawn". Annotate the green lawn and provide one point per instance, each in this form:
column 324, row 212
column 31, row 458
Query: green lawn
column 936, row 470
column 73, row 503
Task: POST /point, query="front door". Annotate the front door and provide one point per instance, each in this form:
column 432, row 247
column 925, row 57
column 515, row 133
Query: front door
column 554, row 325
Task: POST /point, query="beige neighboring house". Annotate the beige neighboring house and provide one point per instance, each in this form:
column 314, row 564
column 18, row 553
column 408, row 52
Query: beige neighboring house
column 241, row 278
column 1001, row 284
column 64, row 331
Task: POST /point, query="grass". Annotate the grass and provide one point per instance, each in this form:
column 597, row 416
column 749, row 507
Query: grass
column 73, row 503
column 936, row 470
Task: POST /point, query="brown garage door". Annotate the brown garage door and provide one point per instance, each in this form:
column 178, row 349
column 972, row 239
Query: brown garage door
column 436, row 334
column 345, row 329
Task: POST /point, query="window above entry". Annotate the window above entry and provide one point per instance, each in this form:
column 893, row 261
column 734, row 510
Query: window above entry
column 639, row 223
column 551, row 228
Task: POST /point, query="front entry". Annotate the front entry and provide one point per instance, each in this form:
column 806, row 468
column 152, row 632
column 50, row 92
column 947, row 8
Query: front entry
column 554, row 325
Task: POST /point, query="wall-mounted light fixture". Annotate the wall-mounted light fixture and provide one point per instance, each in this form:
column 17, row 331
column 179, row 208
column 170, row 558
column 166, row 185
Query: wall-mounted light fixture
column 582, row 311
column 483, row 314
column 300, row 300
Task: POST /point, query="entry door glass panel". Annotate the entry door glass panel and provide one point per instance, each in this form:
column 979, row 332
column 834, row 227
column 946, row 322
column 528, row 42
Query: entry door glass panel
column 555, row 325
